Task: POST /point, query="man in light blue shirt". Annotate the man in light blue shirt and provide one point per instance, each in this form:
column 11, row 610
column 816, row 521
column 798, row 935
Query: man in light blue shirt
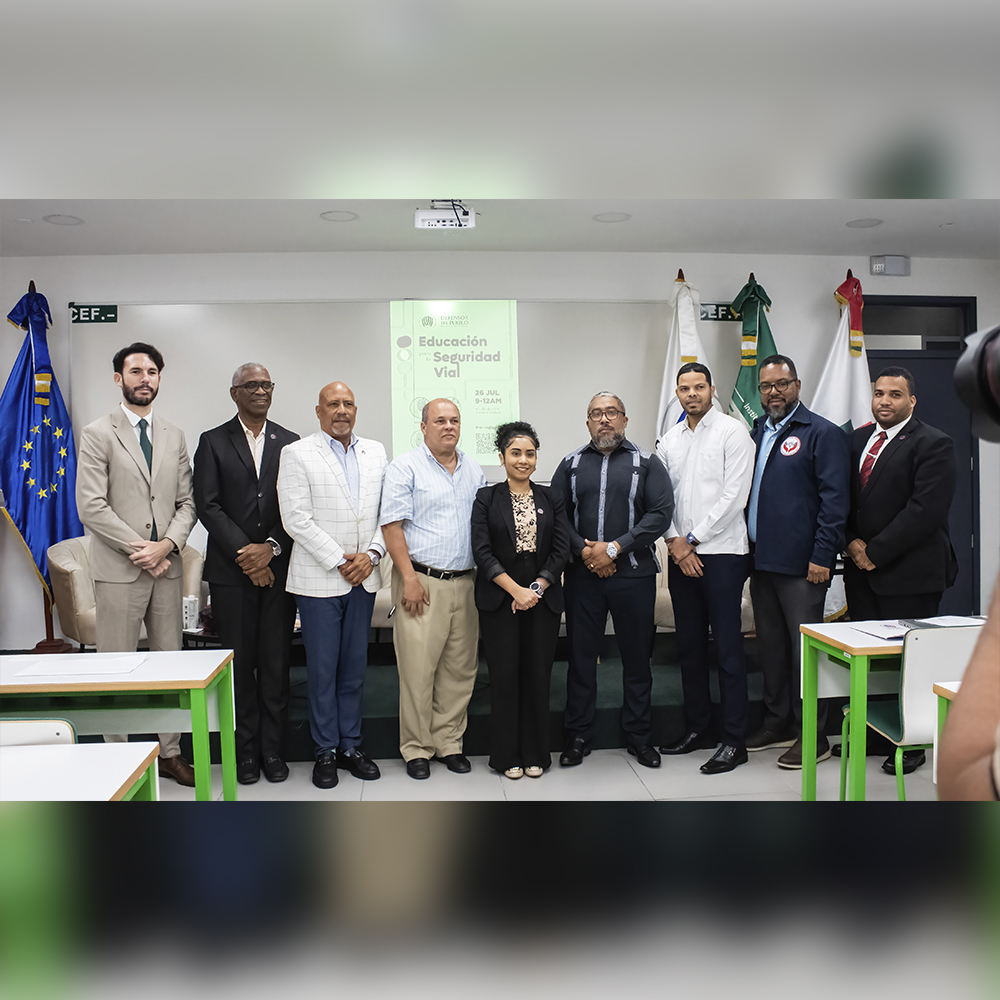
column 426, row 512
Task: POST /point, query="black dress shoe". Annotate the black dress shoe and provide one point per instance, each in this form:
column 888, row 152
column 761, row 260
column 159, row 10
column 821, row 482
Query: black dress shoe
column 247, row 770
column 418, row 768
column 726, row 758
column 355, row 761
column 912, row 759
column 690, row 741
column 574, row 753
column 325, row 769
column 456, row 762
column 647, row 755
column 275, row 769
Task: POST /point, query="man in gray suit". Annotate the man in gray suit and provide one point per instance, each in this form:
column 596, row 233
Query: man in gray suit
column 133, row 492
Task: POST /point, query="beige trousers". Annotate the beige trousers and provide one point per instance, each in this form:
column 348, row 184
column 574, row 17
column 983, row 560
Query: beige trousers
column 121, row 610
column 437, row 656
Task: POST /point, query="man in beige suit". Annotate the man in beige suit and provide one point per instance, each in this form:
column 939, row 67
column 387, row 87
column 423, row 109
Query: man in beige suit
column 133, row 493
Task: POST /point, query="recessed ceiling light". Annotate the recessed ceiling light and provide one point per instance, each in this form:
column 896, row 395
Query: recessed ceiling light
column 63, row 220
column 863, row 223
column 612, row 217
column 946, row 225
column 22, row 220
column 339, row 216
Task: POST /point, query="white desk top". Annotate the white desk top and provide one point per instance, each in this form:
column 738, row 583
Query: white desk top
column 72, row 772
column 947, row 689
column 177, row 669
column 843, row 635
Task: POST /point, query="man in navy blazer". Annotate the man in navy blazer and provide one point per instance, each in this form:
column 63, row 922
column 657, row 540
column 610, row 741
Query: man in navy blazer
column 246, row 561
column 900, row 556
column 795, row 521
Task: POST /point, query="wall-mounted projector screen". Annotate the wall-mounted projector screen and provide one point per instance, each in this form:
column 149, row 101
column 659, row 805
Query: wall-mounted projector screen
column 463, row 351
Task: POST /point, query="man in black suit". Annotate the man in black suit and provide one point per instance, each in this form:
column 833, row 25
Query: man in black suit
column 235, row 490
column 902, row 483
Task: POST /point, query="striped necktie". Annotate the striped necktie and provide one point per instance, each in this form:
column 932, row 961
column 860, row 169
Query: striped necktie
column 869, row 463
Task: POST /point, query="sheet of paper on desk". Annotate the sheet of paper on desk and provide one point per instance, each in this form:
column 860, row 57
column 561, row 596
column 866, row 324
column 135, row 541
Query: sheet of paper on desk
column 882, row 630
column 945, row 620
column 81, row 664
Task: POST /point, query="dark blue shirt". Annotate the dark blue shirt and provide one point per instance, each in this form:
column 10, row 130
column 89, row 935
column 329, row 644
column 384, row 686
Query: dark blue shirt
column 624, row 497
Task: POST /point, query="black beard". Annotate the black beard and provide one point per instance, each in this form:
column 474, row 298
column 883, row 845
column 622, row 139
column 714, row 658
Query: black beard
column 778, row 411
column 130, row 396
column 607, row 443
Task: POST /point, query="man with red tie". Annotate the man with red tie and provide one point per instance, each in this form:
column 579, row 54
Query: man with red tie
column 902, row 482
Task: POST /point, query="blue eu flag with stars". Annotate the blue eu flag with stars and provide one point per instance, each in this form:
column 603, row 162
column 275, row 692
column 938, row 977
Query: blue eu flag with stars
column 37, row 456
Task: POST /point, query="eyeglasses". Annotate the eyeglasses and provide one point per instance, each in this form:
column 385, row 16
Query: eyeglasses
column 610, row 412
column 254, row 386
column 781, row 385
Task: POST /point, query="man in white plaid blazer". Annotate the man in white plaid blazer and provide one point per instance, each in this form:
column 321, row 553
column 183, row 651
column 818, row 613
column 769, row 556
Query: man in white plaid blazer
column 330, row 494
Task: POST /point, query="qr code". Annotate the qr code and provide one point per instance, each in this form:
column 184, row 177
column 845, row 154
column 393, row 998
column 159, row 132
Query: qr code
column 485, row 441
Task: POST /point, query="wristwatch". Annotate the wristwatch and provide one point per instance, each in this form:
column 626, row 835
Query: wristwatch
column 374, row 556
column 612, row 551
column 536, row 588
column 275, row 547
column 690, row 539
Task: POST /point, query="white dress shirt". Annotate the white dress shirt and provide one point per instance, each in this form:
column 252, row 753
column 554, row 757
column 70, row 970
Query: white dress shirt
column 134, row 418
column 890, row 433
column 256, row 443
column 711, row 469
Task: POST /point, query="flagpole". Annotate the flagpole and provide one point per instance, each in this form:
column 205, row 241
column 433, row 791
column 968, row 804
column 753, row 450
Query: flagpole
column 50, row 644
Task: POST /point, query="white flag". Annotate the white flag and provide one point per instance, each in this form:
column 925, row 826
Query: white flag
column 683, row 345
column 844, row 393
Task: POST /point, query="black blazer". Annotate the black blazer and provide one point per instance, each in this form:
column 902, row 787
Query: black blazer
column 902, row 515
column 235, row 506
column 494, row 543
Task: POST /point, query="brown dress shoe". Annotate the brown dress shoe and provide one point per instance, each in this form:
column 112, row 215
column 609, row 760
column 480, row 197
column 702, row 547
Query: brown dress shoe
column 178, row 769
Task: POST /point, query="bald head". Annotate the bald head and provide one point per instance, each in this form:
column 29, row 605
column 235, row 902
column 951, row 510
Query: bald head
column 337, row 411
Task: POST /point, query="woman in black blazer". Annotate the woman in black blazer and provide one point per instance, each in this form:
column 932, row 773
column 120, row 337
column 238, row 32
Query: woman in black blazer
column 520, row 540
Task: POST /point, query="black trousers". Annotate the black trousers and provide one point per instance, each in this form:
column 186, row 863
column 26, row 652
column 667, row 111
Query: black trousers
column 256, row 623
column 781, row 603
column 520, row 649
column 631, row 601
column 864, row 605
column 715, row 599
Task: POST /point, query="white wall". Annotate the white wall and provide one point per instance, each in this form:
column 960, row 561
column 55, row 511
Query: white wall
column 586, row 321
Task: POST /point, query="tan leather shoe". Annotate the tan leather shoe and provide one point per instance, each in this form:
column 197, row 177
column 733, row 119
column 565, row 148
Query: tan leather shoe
column 178, row 769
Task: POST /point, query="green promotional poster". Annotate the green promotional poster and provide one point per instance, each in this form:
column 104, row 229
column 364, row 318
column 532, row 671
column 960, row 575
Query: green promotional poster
column 462, row 351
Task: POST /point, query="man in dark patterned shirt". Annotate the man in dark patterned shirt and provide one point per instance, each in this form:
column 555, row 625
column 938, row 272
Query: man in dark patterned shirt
column 618, row 501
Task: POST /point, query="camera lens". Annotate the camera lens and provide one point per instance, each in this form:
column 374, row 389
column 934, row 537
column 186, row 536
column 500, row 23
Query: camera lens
column 977, row 382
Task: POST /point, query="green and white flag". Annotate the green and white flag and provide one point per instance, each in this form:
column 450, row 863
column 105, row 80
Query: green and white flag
column 751, row 307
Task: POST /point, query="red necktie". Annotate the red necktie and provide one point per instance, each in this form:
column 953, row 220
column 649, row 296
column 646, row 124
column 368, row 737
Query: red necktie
column 866, row 468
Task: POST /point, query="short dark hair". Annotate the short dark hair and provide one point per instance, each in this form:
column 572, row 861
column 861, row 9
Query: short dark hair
column 137, row 348
column 778, row 359
column 694, row 366
column 895, row 371
column 515, row 429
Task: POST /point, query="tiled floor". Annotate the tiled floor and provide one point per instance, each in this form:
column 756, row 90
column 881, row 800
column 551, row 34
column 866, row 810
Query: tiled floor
column 606, row 775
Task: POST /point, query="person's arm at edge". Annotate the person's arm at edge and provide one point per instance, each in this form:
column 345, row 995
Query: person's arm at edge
column 968, row 743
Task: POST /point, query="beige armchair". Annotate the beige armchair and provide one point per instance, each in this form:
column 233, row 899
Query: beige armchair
column 73, row 588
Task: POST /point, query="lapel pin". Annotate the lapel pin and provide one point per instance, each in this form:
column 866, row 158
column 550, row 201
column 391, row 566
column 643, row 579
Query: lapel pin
column 274, row 437
column 540, row 511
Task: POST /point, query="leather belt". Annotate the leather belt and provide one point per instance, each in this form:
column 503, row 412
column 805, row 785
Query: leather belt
column 440, row 574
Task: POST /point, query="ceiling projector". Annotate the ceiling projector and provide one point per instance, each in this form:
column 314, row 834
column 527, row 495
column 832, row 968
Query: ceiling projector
column 445, row 213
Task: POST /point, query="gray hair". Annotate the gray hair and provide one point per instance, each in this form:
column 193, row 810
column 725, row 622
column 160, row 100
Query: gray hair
column 607, row 392
column 239, row 376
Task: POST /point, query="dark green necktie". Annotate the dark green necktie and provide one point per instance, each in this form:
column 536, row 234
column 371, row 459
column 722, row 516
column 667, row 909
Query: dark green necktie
column 147, row 450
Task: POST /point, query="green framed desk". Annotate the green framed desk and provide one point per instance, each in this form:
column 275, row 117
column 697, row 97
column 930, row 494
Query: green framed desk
column 80, row 772
column 946, row 691
column 847, row 655
column 169, row 691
